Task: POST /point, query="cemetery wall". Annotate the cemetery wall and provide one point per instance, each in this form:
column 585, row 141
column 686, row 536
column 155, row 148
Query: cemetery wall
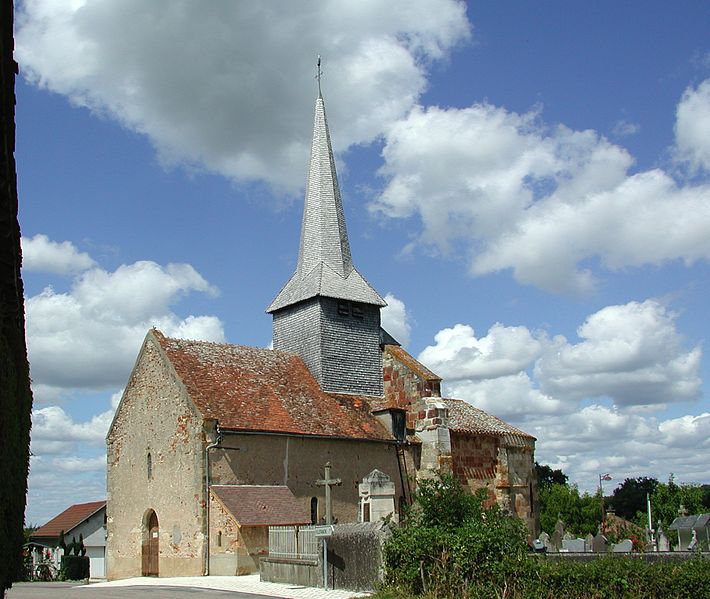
column 169, row 482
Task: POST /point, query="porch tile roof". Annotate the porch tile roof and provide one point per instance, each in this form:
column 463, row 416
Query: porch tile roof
column 463, row 417
column 262, row 505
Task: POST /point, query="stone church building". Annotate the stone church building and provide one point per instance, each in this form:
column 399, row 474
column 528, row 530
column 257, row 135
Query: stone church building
column 212, row 443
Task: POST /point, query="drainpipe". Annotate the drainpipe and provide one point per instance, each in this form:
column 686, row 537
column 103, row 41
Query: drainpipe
column 217, row 441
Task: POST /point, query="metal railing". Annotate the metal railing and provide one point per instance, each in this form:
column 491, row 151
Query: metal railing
column 293, row 542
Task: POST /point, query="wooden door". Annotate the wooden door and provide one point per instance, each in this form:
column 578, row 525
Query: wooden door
column 151, row 547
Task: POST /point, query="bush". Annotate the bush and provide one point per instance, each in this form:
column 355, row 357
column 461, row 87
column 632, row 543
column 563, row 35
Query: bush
column 449, row 545
column 74, row 567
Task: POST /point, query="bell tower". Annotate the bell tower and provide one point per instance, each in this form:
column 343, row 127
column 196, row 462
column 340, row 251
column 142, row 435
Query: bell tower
column 327, row 312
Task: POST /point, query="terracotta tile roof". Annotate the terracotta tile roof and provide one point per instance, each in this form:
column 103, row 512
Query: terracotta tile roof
column 261, row 505
column 68, row 519
column 463, row 417
column 417, row 367
column 255, row 389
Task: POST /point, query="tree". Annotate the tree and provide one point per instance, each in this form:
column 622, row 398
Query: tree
column 667, row 499
column 629, row 497
column 581, row 514
column 546, row 476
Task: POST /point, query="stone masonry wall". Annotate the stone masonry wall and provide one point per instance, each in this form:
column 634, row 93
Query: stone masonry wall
column 298, row 462
column 155, row 418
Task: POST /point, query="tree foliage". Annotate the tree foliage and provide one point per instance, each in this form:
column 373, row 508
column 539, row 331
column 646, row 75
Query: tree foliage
column 629, row 497
column 581, row 514
column 546, row 476
column 667, row 500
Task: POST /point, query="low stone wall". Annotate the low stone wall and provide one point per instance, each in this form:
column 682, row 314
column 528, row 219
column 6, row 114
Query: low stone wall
column 651, row 557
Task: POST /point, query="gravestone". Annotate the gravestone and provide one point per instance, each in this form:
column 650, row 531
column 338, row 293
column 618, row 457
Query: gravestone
column 589, row 539
column 558, row 535
column 567, row 536
column 376, row 497
column 574, row 545
column 544, row 538
column 599, row 543
column 663, row 542
column 624, row 546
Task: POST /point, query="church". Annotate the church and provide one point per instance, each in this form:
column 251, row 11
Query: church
column 213, row 443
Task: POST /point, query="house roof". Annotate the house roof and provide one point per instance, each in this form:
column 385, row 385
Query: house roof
column 69, row 519
column 261, row 505
column 325, row 265
column 254, row 389
column 463, row 417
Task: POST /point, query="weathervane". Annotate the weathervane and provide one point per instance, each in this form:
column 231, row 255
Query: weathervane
column 319, row 72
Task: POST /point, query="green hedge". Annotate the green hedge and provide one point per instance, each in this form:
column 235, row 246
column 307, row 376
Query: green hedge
column 74, row 567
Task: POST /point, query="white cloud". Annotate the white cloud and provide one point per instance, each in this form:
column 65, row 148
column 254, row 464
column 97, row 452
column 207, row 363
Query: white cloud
column 228, row 85
column 54, row 431
column 623, row 128
column 41, row 254
column 535, row 200
column 395, row 319
column 89, row 337
column 631, row 353
column 458, row 354
column 692, row 128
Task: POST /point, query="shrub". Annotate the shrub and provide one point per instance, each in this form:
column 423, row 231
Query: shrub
column 74, row 567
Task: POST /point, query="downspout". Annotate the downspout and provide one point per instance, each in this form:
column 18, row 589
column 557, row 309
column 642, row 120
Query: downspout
column 217, row 441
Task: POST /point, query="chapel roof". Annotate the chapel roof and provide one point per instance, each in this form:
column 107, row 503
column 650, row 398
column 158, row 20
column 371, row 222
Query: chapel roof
column 69, row 519
column 404, row 357
column 266, row 390
column 262, row 505
column 325, row 265
column 465, row 418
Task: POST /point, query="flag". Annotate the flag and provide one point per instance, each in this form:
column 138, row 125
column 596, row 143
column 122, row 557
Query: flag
column 605, row 476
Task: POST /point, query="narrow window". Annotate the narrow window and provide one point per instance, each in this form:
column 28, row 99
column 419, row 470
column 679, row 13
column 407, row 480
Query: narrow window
column 365, row 512
column 149, row 466
column 314, row 510
column 219, row 539
column 343, row 309
column 356, row 310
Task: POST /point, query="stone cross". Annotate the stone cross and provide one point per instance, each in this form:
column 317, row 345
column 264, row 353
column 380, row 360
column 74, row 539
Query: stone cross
column 328, row 482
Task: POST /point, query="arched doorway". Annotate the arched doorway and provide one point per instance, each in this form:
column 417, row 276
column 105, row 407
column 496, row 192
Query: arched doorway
column 151, row 544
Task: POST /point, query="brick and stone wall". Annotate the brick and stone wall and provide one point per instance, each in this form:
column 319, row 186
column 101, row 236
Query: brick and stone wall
column 155, row 417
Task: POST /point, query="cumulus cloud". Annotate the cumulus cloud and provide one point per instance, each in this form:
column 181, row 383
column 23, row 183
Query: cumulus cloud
column 692, row 128
column 89, row 336
column 41, row 254
column 224, row 85
column 504, row 351
column 54, row 431
column 539, row 201
column 631, row 353
column 395, row 319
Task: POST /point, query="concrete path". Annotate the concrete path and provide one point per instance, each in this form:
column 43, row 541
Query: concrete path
column 243, row 584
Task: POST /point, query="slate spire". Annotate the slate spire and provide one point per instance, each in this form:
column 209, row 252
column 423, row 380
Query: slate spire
column 325, row 266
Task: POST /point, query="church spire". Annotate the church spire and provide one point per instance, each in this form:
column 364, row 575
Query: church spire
column 325, row 266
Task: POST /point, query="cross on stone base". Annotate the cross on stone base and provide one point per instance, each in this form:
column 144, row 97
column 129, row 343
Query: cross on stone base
column 328, row 482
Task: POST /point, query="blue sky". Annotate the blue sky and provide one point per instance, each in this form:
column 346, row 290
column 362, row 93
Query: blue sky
column 528, row 184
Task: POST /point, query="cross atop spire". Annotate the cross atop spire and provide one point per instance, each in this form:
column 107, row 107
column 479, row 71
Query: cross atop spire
column 325, row 265
column 319, row 72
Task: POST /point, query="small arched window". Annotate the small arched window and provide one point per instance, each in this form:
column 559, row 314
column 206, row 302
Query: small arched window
column 219, row 538
column 149, row 466
column 314, row 510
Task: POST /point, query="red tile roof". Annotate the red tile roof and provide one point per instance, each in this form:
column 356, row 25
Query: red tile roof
column 254, row 389
column 262, row 505
column 463, row 417
column 68, row 519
